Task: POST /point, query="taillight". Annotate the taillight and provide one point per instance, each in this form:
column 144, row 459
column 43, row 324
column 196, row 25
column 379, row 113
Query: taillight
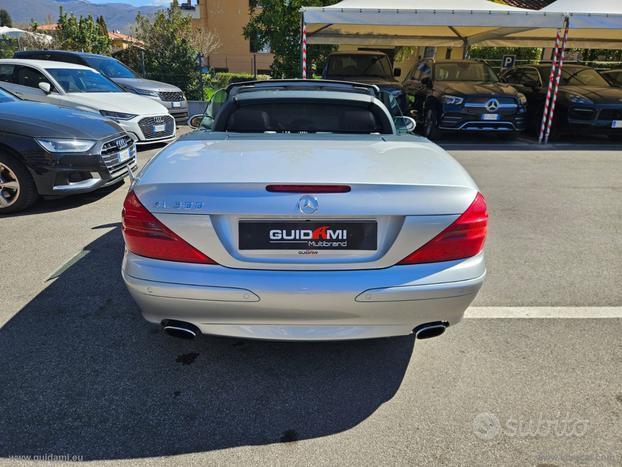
column 308, row 188
column 462, row 239
column 146, row 236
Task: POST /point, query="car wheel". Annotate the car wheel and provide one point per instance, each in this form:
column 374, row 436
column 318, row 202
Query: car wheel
column 17, row 188
column 430, row 125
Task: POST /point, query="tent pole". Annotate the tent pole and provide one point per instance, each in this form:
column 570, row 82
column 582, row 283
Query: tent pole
column 559, row 73
column 549, row 91
column 303, row 46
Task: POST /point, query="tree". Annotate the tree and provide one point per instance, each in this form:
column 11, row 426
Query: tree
column 275, row 24
column 170, row 54
column 85, row 34
column 5, row 19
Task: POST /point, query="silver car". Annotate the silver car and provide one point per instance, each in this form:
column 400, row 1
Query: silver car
column 304, row 211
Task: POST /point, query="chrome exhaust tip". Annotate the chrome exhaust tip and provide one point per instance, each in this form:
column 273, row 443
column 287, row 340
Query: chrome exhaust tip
column 180, row 329
column 429, row 330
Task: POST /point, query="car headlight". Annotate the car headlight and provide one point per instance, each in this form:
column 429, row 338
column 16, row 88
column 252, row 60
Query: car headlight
column 522, row 99
column 452, row 100
column 65, row 145
column 576, row 99
column 117, row 115
column 145, row 92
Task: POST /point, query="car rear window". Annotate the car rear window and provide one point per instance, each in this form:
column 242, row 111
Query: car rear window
column 303, row 118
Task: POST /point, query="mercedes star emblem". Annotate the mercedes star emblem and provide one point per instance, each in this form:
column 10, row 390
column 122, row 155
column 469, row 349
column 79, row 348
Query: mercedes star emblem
column 307, row 204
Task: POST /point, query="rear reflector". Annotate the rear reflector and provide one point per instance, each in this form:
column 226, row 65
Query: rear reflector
column 308, row 188
column 462, row 239
column 146, row 236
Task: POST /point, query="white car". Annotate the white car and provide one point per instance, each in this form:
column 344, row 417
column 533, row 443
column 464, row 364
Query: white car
column 81, row 87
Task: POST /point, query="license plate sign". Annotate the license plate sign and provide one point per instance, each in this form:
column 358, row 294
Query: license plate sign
column 490, row 116
column 159, row 128
column 176, row 104
column 616, row 124
column 312, row 235
column 124, row 155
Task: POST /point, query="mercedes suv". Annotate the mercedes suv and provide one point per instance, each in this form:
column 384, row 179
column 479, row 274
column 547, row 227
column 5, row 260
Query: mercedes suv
column 463, row 96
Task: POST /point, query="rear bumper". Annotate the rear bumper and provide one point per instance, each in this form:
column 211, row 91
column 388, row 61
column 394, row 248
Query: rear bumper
column 303, row 305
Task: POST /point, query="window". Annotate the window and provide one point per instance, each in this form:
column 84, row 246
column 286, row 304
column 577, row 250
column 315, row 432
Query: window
column 303, row 118
column 575, row 76
column 110, row 67
column 82, row 80
column 530, row 76
column 30, row 77
column 359, row 65
column 464, row 71
column 6, row 73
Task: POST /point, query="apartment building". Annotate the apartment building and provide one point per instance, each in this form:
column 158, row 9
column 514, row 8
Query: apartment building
column 227, row 18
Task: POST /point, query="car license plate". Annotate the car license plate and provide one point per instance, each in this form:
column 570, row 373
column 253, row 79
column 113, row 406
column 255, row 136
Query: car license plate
column 307, row 235
column 490, row 116
column 159, row 128
column 616, row 124
column 176, row 104
column 124, row 155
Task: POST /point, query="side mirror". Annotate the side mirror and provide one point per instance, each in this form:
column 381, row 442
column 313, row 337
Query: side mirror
column 45, row 87
column 397, row 72
column 427, row 81
column 405, row 124
column 195, row 121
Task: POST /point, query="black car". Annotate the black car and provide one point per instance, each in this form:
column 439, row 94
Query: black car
column 50, row 151
column 463, row 96
column 613, row 77
column 368, row 68
column 586, row 102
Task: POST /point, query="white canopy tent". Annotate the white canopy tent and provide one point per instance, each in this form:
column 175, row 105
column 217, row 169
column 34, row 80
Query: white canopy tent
column 456, row 23
column 15, row 33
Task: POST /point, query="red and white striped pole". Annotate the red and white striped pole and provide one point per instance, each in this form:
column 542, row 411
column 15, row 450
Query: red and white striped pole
column 559, row 74
column 549, row 91
column 304, row 51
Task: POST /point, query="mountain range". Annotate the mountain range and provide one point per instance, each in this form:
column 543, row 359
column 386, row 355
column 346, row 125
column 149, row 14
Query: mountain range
column 118, row 16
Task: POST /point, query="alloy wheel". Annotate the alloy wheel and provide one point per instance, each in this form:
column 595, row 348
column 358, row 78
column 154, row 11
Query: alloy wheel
column 9, row 186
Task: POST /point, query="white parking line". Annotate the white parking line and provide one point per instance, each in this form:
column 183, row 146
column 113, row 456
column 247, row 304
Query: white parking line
column 550, row 312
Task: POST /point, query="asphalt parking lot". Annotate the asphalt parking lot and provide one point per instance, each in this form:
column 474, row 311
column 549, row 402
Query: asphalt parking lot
column 84, row 375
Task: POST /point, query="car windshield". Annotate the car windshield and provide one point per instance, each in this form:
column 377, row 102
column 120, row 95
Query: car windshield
column 81, row 80
column 6, row 97
column 110, row 67
column 572, row 76
column 466, row 71
column 359, row 65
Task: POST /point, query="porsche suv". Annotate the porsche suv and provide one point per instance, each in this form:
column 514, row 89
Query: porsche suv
column 586, row 102
column 464, row 96
column 303, row 213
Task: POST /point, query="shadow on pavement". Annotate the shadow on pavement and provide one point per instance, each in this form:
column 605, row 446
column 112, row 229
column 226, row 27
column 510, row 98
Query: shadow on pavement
column 83, row 374
column 68, row 202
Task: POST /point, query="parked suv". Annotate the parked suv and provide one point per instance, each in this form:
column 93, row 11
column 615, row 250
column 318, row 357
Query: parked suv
column 168, row 95
column 586, row 102
column 369, row 68
column 464, row 96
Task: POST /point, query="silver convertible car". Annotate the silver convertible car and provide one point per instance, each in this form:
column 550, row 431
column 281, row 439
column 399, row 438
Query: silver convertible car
column 302, row 210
